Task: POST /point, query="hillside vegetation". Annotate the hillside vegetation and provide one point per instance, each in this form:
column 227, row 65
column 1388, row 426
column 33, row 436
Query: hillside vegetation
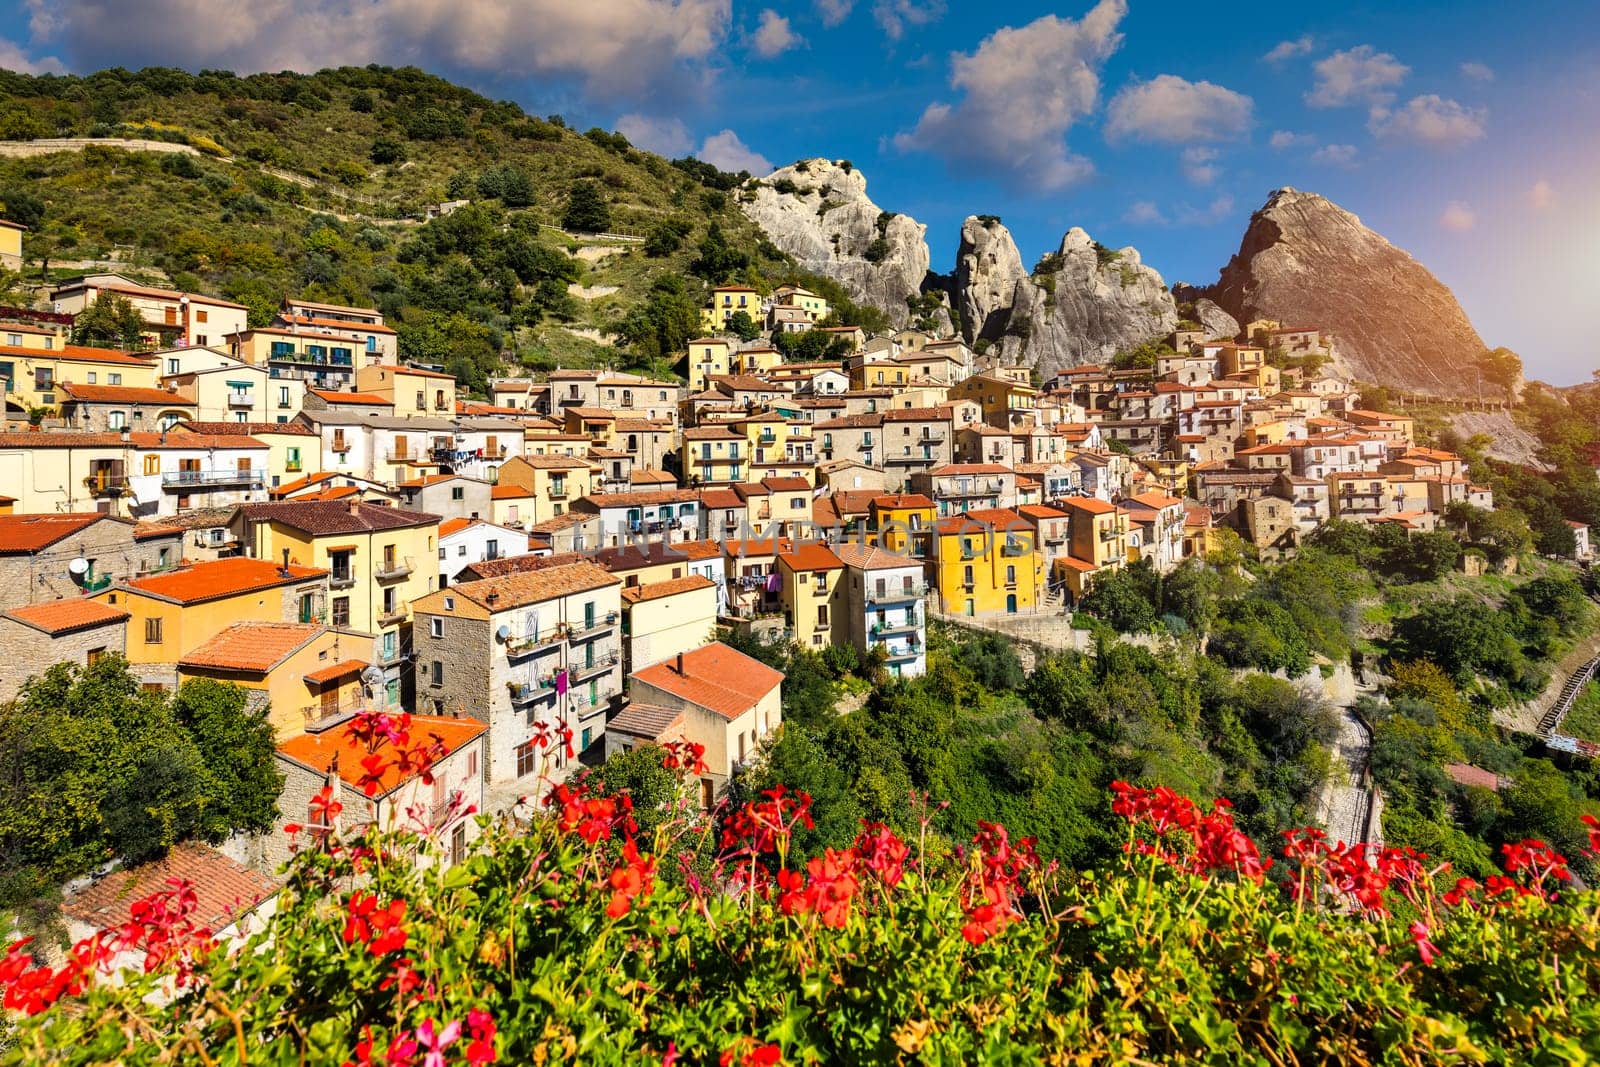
column 318, row 184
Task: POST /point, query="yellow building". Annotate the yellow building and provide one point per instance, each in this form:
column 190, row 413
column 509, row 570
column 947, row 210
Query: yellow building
column 411, row 390
column 380, row 560
column 294, row 450
column 727, row 301
column 303, row 671
column 804, row 299
column 172, row 614
column 1240, row 359
column 40, row 338
column 32, row 375
column 1098, row 531
column 11, row 244
column 172, row 319
column 1000, row 398
column 813, row 595
column 879, row 375
column 320, row 359
column 985, row 562
column 550, row 484
column 901, row 522
column 708, row 357
column 661, row 619
column 756, row 360
column 714, row 455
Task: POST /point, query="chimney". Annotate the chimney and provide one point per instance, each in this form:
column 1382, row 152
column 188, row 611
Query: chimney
column 355, row 505
column 283, row 571
column 680, row 665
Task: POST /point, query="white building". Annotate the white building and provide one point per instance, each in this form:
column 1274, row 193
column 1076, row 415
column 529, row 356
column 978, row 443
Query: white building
column 884, row 595
column 463, row 542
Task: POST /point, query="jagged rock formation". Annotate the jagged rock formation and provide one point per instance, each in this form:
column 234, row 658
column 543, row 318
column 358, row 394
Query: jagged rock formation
column 818, row 211
column 989, row 277
column 1217, row 323
column 1307, row 261
column 1083, row 304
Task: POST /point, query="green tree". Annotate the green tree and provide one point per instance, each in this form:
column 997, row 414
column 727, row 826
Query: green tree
column 587, row 211
column 110, row 320
column 742, row 326
column 239, row 748
column 642, row 775
column 718, row 261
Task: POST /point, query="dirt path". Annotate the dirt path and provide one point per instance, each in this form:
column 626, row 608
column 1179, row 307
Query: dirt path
column 1343, row 811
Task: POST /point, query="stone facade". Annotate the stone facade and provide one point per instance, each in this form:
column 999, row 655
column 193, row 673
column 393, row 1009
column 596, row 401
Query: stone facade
column 109, row 546
column 25, row 651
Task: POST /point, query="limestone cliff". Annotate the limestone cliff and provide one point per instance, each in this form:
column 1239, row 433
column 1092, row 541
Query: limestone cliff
column 1083, row 304
column 1307, row 261
column 818, row 211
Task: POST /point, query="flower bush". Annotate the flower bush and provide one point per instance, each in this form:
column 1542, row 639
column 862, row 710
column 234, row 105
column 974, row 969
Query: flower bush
column 573, row 938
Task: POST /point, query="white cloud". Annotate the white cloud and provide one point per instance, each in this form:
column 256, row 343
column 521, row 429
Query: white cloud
column 774, row 37
column 1200, row 164
column 1282, row 139
column 726, row 151
column 1213, row 213
column 1024, row 89
column 1336, row 155
column 1478, row 72
column 611, row 48
column 1144, row 213
column 1361, row 75
column 1430, row 120
column 1541, row 195
column 12, row 57
column 893, row 16
column 1283, row 50
column 1458, row 216
column 834, row 12
column 666, row 137
column 1170, row 110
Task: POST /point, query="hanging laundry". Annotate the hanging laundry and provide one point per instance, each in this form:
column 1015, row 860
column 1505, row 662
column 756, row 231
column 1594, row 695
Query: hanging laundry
column 775, row 582
column 561, row 683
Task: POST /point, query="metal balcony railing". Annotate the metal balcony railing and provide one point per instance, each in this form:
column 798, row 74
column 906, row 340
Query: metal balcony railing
column 393, row 614
column 392, row 568
column 254, row 479
column 523, row 693
column 588, row 629
column 240, row 400
column 105, row 485
column 896, row 596
column 522, row 647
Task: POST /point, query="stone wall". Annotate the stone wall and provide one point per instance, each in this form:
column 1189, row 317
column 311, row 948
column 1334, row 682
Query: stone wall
column 109, row 545
column 25, row 652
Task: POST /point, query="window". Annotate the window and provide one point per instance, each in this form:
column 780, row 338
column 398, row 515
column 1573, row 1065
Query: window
column 201, row 316
column 14, row 340
column 438, row 673
column 44, row 377
column 461, row 551
column 94, row 655
column 436, row 627
column 283, row 396
column 341, row 611
column 114, row 378
column 93, row 377
column 441, row 552
column 1011, row 575
column 449, row 603
column 527, row 759
column 152, row 631
column 152, row 464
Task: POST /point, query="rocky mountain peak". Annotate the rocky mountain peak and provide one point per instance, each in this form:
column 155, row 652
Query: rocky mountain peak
column 1306, row 261
column 818, row 211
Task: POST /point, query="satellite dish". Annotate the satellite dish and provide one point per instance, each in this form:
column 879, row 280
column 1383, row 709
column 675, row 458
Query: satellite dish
column 372, row 677
column 502, row 633
column 78, row 567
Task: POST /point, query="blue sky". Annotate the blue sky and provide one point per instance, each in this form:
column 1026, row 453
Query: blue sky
column 1464, row 136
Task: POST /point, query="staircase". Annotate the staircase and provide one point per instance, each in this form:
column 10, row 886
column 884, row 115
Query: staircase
column 1551, row 721
column 1054, row 602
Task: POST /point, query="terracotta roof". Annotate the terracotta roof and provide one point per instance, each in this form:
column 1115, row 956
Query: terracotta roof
column 811, row 557
column 715, row 677
column 224, row 890
column 122, row 394
column 547, row 462
column 1156, row 500
column 320, row 518
column 720, row 498
column 902, row 500
column 56, row 617
column 333, row 397
column 426, row 480
column 531, row 561
column 296, row 429
column 648, row 591
column 633, row 500
column 22, row 534
column 510, row 492
column 450, row 526
column 650, row 476
column 1081, row 566
column 969, row 468
column 336, row 324
column 338, row 751
column 711, row 433
column 699, row 549
column 220, row 578
column 256, row 647
column 757, row 546
column 80, row 354
column 646, row 720
column 534, row 587
column 1041, row 511
column 1093, row 505
column 786, row 485
column 851, row 422
column 556, row 523
column 871, row 558
column 141, row 440
column 335, row 672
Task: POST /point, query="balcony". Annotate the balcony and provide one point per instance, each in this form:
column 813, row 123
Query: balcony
column 523, row 647
column 405, row 455
column 104, row 485
column 589, row 629
column 602, row 663
column 905, row 655
column 1015, row 548
column 896, row 596
column 395, row 613
column 96, row 582
column 892, row 629
column 866, row 445
column 237, row 399
column 557, row 492
column 386, row 655
column 392, row 569
column 341, row 579
column 249, row 479
column 339, row 445
column 320, row 717
column 525, row 693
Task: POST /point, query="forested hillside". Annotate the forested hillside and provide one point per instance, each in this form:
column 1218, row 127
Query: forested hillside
column 318, row 185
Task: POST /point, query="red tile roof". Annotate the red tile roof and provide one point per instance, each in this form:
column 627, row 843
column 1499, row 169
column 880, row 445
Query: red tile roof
column 639, row 594
column 321, row 517
column 811, row 557
column 220, row 578
column 224, row 890
column 534, row 587
column 1093, row 505
column 335, row 672
column 122, row 394
column 338, row 751
column 902, row 500
column 81, row 354
column 510, row 492
column 715, row 677
column 21, row 534
column 332, row 397
column 56, row 617
column 252, row 647
column 450, row 526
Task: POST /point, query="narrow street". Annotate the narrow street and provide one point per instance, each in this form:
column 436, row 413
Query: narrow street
column 1345, row 799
